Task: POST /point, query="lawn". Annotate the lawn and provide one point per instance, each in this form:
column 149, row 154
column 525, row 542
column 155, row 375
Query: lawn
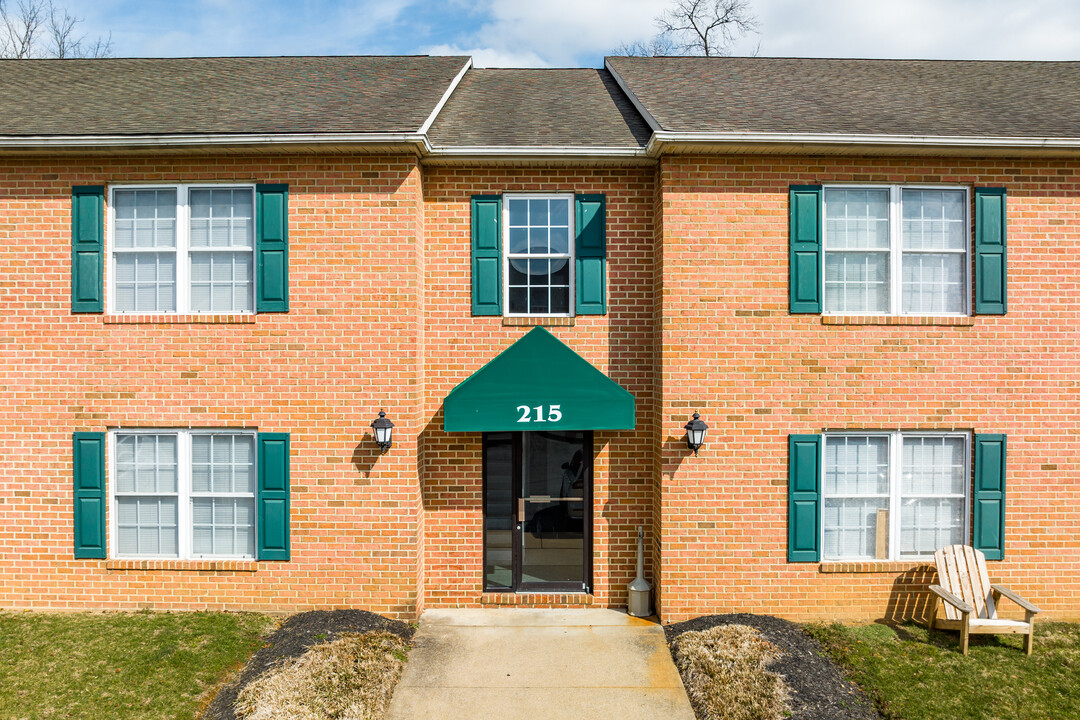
column 119, row 665
column 915, row 674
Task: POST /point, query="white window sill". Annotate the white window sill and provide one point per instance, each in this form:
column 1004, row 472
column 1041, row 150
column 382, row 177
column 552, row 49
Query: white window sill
column 872, row 566
column 168, row 319
column 940, row 320
column 244, row 565
column 533, row 320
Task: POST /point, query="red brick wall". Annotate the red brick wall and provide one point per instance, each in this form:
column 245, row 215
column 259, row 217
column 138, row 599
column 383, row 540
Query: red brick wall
column 349, row 346
column 380, row 318
column 732, row 352
column 620, row 344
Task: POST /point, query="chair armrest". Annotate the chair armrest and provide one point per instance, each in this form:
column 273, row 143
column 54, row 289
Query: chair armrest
column 1005, row 592
column 951, row 599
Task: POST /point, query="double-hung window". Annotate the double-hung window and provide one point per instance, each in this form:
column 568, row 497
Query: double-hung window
column 182, row 249
column 183, row 494
column 896, row 250
column 539, row 255
column 894, row 495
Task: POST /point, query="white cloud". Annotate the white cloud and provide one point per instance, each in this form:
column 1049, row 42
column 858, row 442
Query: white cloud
column 561, row 32
column 958, row 29
column 485, row 57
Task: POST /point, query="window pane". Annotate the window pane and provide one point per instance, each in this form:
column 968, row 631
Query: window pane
column 560, row 238
column 145, row 282
column 222, row 463
column 144, row 218
column 221, row 218
column 221, row 281
column 933, row 283
column 560, row 299
column 519, row 300
column 538, row 212
column 851, row 526
column 856, row 219
column 519, row 212
column 934, row 220
column 223, row 526
column 929, row 524
column 147, row 526
column 558, row 210
column 146, row 463
column 857, row 465
column 857, row 282
column 519, row 240
column 933, row 465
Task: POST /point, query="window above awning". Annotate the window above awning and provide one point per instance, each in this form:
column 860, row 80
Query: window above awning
column 538, row 383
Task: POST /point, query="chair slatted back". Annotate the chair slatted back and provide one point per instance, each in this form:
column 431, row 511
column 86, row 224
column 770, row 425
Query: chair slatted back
column 962, row 571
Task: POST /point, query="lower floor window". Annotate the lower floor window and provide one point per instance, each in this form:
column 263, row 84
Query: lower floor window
column 891, row 496
column 183, row 493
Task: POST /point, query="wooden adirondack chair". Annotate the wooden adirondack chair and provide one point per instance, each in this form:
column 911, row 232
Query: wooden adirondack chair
column 971, row 601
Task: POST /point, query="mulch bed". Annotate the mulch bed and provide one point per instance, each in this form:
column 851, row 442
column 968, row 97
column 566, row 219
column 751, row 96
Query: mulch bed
column 819, row 690
column 295, row 636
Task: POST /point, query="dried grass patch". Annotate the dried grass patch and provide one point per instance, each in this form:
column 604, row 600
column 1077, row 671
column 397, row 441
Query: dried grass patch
column 351, row 678
column 723, row 669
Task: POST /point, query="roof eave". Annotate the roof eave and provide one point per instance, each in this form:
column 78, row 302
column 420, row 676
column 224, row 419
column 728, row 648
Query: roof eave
column 665, row 140
column 51, row 142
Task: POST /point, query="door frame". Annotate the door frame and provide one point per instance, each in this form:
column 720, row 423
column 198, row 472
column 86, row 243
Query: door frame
column 516, row 522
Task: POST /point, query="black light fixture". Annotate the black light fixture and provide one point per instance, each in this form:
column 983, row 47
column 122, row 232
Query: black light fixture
column 695, row 433
column 384, row 430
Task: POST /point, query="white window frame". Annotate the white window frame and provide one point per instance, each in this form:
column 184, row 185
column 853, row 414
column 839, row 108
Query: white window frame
column 571, row 243
column 184, row 494
column 183, row 247
column 896, row 446
column 896, row 250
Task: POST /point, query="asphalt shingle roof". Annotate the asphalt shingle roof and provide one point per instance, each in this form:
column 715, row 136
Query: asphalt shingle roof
column 539, row 108
column 876, row 97
column 143, row 96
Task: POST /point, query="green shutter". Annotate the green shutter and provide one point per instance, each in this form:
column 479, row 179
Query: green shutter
column 273, row 497
column 804, row 283
column 804, row 498
column 88, row 451
column 989, row 495
column 486, row 255
column 87, row 248
column 990, row 282
column 272, row 248
column 590, row 251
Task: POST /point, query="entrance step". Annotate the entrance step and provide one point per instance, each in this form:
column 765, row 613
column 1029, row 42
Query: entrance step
column 530, row 663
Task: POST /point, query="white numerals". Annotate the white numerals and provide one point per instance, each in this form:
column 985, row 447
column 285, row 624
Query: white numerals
column 537, row 414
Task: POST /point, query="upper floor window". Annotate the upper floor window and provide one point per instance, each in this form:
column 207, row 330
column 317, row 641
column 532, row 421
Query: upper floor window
column 896, row 250
column 539, row 254
column 182, row 249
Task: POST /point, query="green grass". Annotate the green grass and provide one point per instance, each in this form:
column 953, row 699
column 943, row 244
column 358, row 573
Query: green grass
column 119, row 665
column 915, row 674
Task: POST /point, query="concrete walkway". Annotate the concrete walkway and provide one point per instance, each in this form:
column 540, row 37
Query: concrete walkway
column 514, row 663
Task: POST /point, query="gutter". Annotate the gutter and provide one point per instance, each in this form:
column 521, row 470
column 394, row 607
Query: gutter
column 538, row 151
column 156, row 141
column 662, row 138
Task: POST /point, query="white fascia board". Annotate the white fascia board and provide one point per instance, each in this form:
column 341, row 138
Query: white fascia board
column 446, row 96
column 653, row 124
column 668, row 137
column 539, row 151
column 85, row 141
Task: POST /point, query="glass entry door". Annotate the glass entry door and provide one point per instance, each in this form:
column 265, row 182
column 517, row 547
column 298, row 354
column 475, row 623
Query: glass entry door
column 538, row 511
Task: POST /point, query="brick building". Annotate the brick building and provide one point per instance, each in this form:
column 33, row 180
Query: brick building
column 215, row 273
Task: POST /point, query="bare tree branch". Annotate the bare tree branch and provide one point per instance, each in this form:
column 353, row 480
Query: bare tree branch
column 24, row 22
column 20, row 26
column 697, row 27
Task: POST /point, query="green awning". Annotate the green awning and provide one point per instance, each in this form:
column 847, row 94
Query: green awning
column 538, row 383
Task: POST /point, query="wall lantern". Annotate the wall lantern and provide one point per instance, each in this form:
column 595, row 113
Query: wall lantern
column 695, row 433
column 384, row 430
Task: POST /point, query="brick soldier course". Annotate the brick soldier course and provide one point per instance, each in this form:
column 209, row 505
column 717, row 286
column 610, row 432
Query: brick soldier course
column 380, row 315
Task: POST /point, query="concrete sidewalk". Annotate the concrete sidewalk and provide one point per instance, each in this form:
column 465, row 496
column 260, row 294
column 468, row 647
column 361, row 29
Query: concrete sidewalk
column 538, row 664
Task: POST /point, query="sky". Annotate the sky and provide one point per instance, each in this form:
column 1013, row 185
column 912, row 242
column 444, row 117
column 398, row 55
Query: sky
column 577, row 33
